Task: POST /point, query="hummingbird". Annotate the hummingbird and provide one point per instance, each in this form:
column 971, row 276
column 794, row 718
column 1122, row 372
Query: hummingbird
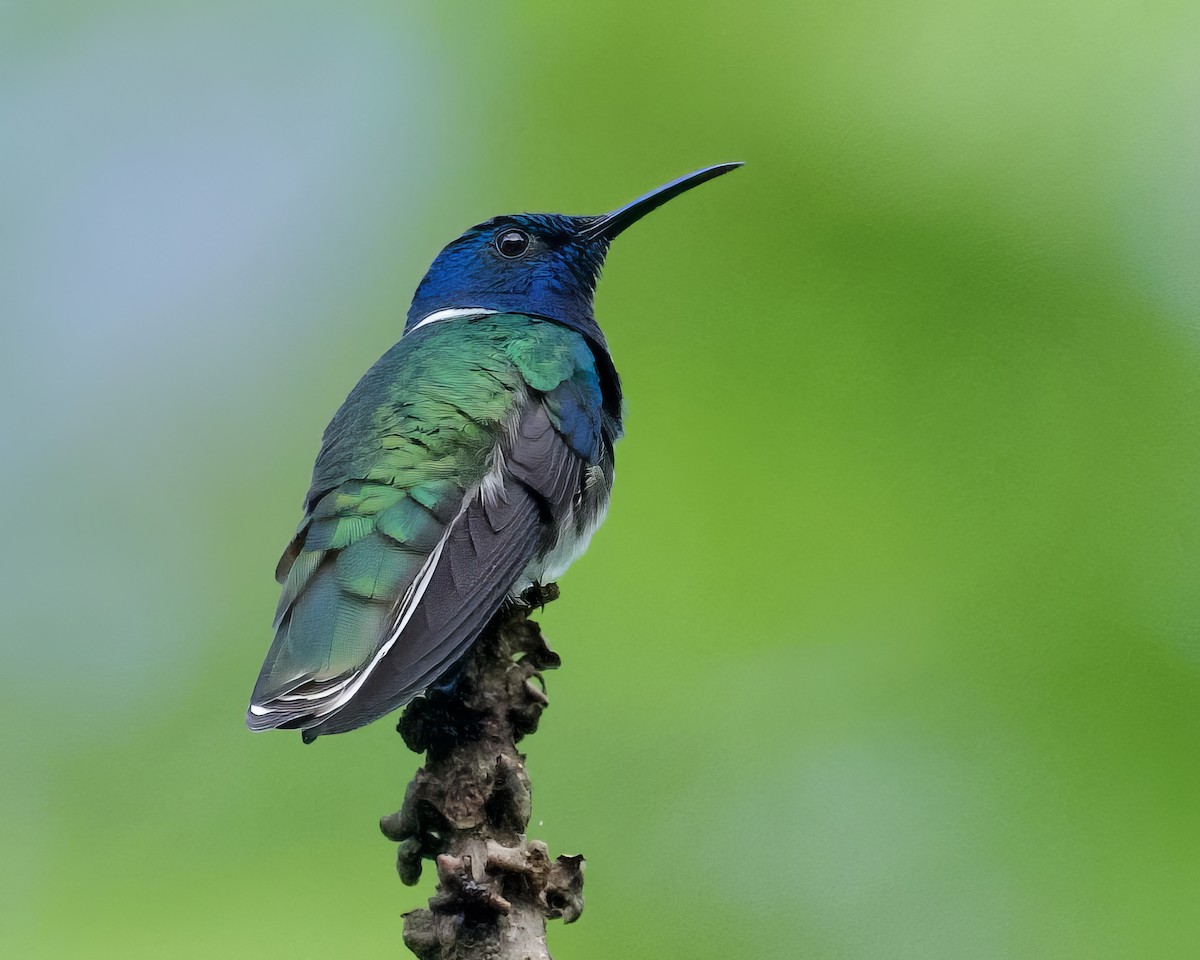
column 473, row 460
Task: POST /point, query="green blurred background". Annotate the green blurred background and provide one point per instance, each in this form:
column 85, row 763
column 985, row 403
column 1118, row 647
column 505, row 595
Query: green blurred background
column 889, row 646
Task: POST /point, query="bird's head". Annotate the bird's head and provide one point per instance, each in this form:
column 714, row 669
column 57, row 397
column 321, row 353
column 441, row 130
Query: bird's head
column 544, row 264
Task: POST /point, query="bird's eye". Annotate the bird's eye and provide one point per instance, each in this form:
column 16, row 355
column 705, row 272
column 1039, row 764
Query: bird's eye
column 512, row 244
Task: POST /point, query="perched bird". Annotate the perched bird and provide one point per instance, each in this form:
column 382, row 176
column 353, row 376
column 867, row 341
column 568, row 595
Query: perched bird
column 474, row 459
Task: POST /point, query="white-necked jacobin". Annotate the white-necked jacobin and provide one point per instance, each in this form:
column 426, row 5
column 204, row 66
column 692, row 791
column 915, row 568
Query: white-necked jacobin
column 474, row 459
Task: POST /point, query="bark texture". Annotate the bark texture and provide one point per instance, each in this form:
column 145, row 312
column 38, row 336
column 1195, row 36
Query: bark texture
column 467, row 808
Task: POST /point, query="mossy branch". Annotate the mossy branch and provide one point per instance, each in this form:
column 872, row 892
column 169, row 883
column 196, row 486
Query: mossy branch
column 468, row 807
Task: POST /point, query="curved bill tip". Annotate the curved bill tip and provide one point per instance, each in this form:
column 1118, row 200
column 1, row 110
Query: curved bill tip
column 609, row 225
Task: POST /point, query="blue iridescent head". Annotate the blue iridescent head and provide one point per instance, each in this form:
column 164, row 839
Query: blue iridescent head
column 542, row 264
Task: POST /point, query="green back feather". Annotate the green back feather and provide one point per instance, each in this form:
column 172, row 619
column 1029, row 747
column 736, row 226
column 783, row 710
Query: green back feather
column 414, row 436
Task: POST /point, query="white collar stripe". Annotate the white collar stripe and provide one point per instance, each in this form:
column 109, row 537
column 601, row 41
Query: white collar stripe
column 452, row 313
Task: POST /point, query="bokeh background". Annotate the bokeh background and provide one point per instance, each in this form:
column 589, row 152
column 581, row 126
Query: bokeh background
column 889, row 646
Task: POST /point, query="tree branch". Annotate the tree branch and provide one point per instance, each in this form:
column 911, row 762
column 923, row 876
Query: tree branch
column 468, row 807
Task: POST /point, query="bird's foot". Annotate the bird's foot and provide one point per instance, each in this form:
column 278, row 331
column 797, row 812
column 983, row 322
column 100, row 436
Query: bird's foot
column 540, row 594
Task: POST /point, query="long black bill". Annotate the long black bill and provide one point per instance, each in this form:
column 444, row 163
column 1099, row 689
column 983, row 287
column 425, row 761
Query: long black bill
column 609, row 225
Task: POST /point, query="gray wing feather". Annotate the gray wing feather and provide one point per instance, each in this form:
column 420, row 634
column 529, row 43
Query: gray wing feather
column 482, row 555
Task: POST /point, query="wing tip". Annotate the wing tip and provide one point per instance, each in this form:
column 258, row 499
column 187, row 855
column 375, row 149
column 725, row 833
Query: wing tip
column 260, row 717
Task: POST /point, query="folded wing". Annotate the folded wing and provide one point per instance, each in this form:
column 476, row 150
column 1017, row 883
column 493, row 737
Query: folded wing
column 386, row 587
